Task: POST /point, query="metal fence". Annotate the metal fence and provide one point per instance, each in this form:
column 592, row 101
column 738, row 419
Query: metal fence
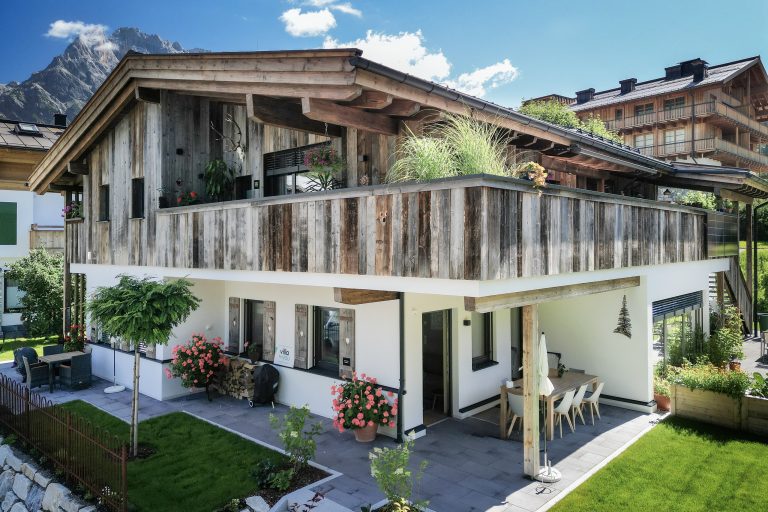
column 85, row 455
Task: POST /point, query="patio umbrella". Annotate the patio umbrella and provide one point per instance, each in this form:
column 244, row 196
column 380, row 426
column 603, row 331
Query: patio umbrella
column 547, row 473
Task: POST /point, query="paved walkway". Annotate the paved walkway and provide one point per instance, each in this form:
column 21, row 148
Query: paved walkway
column 752, row 362
column 469, row 469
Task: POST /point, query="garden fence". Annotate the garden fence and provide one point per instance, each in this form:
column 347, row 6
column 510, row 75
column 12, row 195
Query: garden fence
column 83, row 455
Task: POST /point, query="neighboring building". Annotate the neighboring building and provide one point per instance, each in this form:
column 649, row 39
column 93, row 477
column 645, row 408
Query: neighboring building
column 27, row 220
column 695, row 112
column 439, row 289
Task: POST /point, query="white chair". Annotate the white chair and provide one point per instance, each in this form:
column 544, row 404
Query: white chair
column 578, row 403
column 563, row 410
column 516, row 410
column 592, row 400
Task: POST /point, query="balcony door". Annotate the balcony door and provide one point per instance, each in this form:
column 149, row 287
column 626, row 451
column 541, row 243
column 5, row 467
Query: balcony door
column 436, row 365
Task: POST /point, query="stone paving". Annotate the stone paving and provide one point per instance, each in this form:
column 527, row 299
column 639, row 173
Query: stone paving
column 470, row 468
column 752, row 362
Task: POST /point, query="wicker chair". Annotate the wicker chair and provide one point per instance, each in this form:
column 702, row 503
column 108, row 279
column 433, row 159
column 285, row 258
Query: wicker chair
column 37, row 373
column 77, row 373
column 49, row 350
column 18, row 362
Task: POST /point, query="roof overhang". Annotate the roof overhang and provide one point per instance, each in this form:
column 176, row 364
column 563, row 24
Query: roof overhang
column 717, row 179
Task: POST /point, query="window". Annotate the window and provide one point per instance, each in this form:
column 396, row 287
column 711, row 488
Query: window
column 482, row 340
column 137, row 198
column 674, row 140
column 618, row 114
column 27, row 129
column 644, row 140
column 104, row 202
column 254, row 327
column 674, row 103
column 641, row 110
column 326, row 336
column 7, row 223
column 12, row 296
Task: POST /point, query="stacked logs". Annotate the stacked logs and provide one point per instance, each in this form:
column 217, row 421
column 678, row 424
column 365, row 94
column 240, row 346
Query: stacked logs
column 236, row 380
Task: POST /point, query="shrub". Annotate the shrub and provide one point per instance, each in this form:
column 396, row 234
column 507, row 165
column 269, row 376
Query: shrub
column 389, row 467
column 422, row 159
column 298, row 440
column 556, row 113
column 710, row 378
column 360, row 402
column 41, row 277
column 759, row 385
column 726, row 342
column 75, row 338
column 196, row 362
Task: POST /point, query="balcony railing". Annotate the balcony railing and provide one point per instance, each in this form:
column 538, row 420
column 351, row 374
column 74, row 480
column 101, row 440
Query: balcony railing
column 705, row 146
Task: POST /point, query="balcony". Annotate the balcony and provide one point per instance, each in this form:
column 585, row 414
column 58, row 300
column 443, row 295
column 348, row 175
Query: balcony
column 728, row 152
column 469, row 228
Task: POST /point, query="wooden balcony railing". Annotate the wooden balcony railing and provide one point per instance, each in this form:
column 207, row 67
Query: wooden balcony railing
column 474, row 228
column 704, row 146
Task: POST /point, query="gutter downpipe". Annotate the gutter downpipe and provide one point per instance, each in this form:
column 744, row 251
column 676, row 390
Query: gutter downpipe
column 755, row 323
column 401, row 387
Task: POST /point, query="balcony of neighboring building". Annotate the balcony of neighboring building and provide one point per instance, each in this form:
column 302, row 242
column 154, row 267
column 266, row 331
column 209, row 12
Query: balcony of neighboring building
column 724, row 151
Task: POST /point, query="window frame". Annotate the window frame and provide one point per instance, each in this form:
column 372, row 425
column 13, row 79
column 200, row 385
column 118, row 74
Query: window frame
column 10, row 224
column 618, row 114
column 486, row 359
column 137, row 198
column 248, row 311
column 104, row 203
column 674, row 103
column 645, row 137
column 6, row 309
column 642, row 110
column 318, row 363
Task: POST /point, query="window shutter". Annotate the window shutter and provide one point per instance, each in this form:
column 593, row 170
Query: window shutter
column 300, row 359
column 346, row 343
column 233, row 344
column 269, row 331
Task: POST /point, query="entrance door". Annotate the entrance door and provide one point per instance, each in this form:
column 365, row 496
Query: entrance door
column 436, row 365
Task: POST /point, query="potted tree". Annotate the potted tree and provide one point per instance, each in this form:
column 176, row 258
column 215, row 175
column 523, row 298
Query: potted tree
column 219, row 180
column 360, row 405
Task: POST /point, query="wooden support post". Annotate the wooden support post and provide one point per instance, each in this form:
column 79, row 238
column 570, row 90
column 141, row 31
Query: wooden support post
column 748, row 236
column 530, row 390
column 67, row 290
column 720, row 284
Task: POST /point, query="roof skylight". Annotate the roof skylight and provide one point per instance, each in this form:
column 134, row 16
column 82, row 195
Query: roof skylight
column 27, row 129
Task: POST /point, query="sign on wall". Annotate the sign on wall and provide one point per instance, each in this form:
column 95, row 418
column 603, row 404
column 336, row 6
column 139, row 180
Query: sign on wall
column 284, row 355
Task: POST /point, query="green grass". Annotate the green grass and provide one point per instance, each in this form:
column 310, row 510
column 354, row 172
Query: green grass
column 196, row 466
column 6, row 354
column 679, row 466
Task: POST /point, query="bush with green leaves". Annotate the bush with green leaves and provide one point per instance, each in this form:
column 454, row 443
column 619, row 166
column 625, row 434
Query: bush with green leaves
column 298, row 439
column 710, row 378
column 219, row 180
column 726, row 342
column 661, row 387
column 40, row 275
column 557, row 113
column 759, row 385
column 390, row 467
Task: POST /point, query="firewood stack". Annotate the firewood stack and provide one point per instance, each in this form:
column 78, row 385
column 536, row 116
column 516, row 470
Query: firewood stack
column 237, row 380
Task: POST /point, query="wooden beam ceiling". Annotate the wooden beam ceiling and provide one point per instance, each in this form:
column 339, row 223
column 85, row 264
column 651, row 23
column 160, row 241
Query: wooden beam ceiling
column 374, row 100
column 332, row 113
column 280, row 112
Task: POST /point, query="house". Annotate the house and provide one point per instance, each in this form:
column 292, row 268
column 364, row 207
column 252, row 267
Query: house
column 694, row 112
column 27, row 220
column 439, row 289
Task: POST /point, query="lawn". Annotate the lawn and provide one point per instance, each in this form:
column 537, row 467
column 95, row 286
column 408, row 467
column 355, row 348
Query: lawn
column 196, row 466
column 679, row 466
column 6, row 353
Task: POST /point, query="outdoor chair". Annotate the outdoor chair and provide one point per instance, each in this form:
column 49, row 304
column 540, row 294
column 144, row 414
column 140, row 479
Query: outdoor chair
column 563, row 410
column 516, row 410
column 77, row 373
column 49, row 350
column 592, row 401
column 578, row 404
column 37, row 373
column 18, row 362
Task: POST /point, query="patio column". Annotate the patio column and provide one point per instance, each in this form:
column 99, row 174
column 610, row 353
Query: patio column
column 748, row 236
column 530, row 390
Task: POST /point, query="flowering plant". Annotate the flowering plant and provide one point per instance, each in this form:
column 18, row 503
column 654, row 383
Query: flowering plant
column 253, row 351
column 73, row 210
column 535, row 173
column 187, row 198
column 197, row 362
column 361, row 403
column 321, row 158
column 75, row 340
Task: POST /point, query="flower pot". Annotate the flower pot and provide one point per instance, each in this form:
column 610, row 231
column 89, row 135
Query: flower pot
column 734, row 366
column 366, row 434
column 662, row 402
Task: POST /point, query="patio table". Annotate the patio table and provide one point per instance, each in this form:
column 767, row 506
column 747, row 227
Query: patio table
column 56, row 359
column 569, row 381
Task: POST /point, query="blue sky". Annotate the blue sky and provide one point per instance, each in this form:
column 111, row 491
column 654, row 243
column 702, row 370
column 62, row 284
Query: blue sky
column 502, row 50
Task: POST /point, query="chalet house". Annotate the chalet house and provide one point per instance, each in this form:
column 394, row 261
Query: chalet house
column 439, row 289
column 694, row 112
column 27, row 220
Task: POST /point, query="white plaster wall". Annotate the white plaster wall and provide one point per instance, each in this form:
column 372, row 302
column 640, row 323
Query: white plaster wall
column 150, row 375
column 48, row 209
column 24, row 219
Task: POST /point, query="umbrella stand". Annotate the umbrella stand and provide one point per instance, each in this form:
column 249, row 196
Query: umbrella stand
column 547, row 473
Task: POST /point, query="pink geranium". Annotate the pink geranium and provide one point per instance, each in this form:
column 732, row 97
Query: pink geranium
column 360, row 402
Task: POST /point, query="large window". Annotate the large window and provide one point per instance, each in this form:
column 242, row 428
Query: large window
column 641, row 110
column 482, row 340
column 675, row 103
column 677, row 328
column 7, row 223
column 12, row 296
column 326, row 338
column 674, row 140
column 254, row 327
column 644, row 140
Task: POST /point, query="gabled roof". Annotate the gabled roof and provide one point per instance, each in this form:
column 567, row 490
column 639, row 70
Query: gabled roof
column 11, row 138
column 717, row 74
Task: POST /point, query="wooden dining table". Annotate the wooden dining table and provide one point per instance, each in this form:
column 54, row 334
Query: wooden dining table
column 569, row 381
column 53, row 360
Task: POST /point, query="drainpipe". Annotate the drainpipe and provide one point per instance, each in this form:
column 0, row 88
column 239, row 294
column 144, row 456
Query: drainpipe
column 755, row 324
column 401, row 387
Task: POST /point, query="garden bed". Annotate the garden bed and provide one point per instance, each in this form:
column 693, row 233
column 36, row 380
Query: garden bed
column 747, row 413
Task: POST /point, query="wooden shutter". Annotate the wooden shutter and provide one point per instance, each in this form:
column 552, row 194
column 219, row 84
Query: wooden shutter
column 346, row 343
column 268, row 352
column 300, row 359
column 233, row 344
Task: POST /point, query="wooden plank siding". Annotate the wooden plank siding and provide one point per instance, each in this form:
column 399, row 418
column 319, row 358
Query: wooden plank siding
column 463, row 229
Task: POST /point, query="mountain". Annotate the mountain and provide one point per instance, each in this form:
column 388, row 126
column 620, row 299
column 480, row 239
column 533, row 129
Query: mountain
column 72, row 77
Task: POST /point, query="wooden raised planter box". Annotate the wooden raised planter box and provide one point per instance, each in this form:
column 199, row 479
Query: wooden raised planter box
column 747, row 413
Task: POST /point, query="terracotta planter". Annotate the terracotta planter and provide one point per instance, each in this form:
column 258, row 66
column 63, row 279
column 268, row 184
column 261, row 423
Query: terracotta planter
column 366, row 434
column 662, row 402
column 734, row 366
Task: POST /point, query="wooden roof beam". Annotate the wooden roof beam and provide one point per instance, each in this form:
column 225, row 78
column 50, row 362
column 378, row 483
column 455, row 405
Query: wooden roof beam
column 332, row 113
column 284, row 113
column 401, row 108
column 147, row 95
column 373, row 100
column 79, row 168
column 354, row 296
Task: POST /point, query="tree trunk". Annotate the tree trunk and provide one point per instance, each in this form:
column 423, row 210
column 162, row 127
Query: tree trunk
column 135, row 403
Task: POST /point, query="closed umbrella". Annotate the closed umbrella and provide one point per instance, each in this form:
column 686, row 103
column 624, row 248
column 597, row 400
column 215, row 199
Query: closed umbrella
column 547, row 473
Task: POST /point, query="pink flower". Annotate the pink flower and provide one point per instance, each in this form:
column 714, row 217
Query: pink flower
column 359, row 415
column 391, row 424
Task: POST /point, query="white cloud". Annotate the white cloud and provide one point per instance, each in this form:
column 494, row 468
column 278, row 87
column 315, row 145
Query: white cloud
column 407, row 52
column 347, row 8
column 319, row 3
column 92, row 34
column 306, row 24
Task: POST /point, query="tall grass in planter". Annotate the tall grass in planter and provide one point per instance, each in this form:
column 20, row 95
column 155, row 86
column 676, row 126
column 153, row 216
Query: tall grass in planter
column 422, row 159
column 478, row 147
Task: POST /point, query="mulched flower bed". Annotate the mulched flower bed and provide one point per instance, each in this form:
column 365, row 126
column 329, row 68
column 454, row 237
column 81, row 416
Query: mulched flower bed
column 305, row 477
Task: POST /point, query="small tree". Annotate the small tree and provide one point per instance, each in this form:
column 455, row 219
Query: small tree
column 141, row 310
column 40, row 277
column 624, row 324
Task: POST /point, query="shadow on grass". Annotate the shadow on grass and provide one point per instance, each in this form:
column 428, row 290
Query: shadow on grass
column 711, row 433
